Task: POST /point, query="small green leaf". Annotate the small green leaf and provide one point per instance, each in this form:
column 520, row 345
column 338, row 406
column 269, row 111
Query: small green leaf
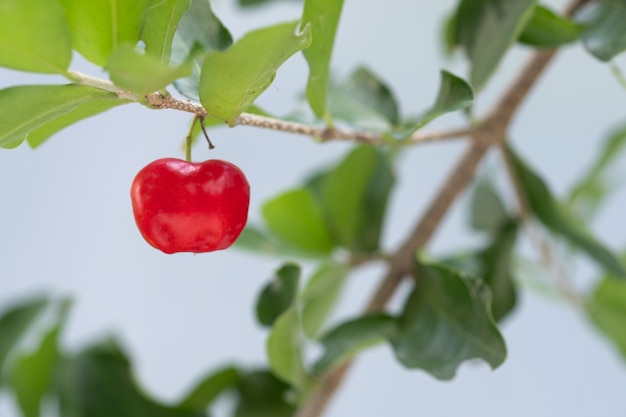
column 547, row 29
column 487, row 211
column 162, row 18
column 454, row 94
column 296, row 218
column 320, row 295
column 278, row 295
column 209, row 388
column 284, row 350
column 143, row 74
column 560, row 220
column 323, row 17
column 486, row 29
column 255, row 240
column 231, row 80
column 98, row 382
column 34, row 36
column 99, row 27
column 14, row 322
column 354, row 197
column 446, row 321
column 595, row 184
column 199, row 26
column 605, row 33
column 261, row 394
column 28, row 108
column 31, row 374
column 353, row 336
column 607, row 310
column 363, row 101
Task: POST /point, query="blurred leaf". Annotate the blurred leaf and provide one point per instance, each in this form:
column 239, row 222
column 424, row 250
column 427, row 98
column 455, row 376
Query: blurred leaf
column 559, row 220
column 278, row 295
column 487, row 211
column 207, row 390
column 31, row 374
column 198, row 26
column 161, row 21
column 99, row 27
column 605, row 33
column 607, row 310
column 446, row 321
column 486, row 29
column 143, row 74
column 449, row 33
column 353, row 336
column 547, row 29
column 30, row 108
column 98, row 382
column 284, row 350
column 354, row 198
column 14, row 322
column 454, row 94
column 247, row 3
column 296, row 218
column 231, row 80
column 34, row 36
column 255, row 240
column 595, row 185
column 323, row 17
column 320, row 295
column 363, row 101
column 261, row 394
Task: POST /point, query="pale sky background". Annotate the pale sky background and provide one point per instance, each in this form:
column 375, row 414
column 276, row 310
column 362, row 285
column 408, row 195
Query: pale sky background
column 66, row 227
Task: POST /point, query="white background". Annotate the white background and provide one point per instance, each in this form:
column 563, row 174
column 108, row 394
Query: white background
column 66, row 227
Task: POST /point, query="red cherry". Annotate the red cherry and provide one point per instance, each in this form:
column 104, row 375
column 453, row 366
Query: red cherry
column 182, row 206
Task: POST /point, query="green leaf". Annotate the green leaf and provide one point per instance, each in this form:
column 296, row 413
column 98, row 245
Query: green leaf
column 231, row 80
column 99, row 27
column 207, row 390
column 560, row 220
column 354, row 197
column 607, row 310
column 161, row 21
column 199, row 26
column 320, row 295
column 446, row 321
column 486, row 29
column 255, row 240
column 284, row 350
column 261, row 394
column 14, row 322
column 31, row 374
column 353, row 336
column 454, row 94
column 34, row 36
column 605, row 33
column 595, row 184
column 487, row 212
column 323, row 17
column 28, row 108
column 363, row 101
column 247, row 3
column 296, row 218
column 278, row 295
column 547, row 29
column 98, row 382
column 143, row 74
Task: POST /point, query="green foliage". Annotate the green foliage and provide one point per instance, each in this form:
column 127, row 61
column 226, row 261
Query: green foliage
column 261, row 394
column 162, row 18
column 486, row 29
column 605, row 33
column 322, row 16
column 547, row 29
column 211, row 387
column 278, row 295
column 560, row 220
column 230, row 81
column 45, row 47
column 446, row 321
column 487, row 211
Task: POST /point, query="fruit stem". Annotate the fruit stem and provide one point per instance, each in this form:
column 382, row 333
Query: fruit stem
column 189, row 139
column 206, row 135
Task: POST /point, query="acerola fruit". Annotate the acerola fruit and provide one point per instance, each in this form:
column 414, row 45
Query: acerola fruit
column 182, row 206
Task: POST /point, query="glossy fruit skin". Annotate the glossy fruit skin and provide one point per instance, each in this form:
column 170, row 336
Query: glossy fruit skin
column 182, row 206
